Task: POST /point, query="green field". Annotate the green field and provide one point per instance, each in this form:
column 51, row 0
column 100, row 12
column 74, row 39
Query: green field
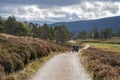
column 106, row 46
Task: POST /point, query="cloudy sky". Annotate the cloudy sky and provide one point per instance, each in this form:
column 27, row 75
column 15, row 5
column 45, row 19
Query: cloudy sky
column 59, row 10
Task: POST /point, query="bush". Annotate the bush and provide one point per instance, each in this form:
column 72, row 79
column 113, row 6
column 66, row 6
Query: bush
column 8, row 65
column 104, row 65
column 1, row 69
column 33, row 56
column 2, row 75
column 18, row 64
column 16, row 52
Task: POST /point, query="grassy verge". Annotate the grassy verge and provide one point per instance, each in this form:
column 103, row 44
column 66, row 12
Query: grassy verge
column 30, row 69
column 102, row 60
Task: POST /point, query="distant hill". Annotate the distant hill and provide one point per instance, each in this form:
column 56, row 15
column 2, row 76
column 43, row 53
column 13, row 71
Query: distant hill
column 88, row 25
column 40, row 22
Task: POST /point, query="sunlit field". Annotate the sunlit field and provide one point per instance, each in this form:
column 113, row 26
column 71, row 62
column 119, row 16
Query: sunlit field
column 106, row 46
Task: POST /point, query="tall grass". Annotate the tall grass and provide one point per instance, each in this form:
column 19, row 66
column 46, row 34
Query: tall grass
column 103, row 65
column 17, row 52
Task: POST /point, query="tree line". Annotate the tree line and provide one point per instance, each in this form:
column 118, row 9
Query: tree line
column 105, row 33
column 59, row 34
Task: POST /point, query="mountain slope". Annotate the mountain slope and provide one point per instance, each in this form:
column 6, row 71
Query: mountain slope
column 88, row 25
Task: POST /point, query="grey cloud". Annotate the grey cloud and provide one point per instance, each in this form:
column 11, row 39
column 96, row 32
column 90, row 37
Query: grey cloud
column 21, row 11
column 104, row 0
column 98, row 9
column 83, row 7
column 6, row 10
column 73, row 16
column 113, row 9
column 64, row 19
column 48, row 2
column 50, row 9
column 58, row 12
column 42, row 2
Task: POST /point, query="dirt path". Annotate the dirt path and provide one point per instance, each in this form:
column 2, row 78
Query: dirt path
column 63, row 67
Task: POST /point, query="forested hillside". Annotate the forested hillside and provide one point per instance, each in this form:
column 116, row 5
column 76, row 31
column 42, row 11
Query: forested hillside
column 22, row 43
column 89, row 25
column 14, row 27
column 59, row 34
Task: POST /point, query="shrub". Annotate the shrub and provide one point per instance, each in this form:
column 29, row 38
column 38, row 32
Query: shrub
column 18, row 64
column 17, row 52
column 2, row 75
column 104, row 65
column 1, row 69
column 8, row 65
column 33, row 56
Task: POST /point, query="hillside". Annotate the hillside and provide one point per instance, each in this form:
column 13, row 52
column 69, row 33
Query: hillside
column 17, row 52
column 88, row 25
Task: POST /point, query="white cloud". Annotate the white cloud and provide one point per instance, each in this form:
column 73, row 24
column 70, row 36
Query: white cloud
column 86, row 10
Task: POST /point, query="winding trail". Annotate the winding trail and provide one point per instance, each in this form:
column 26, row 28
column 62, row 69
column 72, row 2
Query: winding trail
column 63, row 67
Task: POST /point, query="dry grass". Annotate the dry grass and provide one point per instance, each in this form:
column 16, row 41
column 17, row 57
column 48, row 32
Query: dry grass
column 31, row 68
column 102, row 65
column 17, row 52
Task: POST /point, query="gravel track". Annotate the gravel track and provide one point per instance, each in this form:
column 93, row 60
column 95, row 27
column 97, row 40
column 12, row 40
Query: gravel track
column 63, row 67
